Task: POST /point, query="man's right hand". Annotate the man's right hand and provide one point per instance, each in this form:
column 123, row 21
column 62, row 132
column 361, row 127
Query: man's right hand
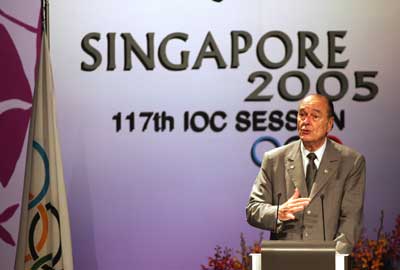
column 293, row 205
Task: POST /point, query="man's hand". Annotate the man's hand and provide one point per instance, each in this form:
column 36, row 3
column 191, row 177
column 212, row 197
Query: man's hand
column 293, row 205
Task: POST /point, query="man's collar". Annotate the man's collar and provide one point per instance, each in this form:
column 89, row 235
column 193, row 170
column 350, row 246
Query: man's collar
column 319, row 152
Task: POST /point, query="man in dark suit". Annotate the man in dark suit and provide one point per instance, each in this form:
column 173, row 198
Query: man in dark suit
column 303, row 174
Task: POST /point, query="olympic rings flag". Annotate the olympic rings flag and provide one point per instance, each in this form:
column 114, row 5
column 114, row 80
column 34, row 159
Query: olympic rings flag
column 44, row 236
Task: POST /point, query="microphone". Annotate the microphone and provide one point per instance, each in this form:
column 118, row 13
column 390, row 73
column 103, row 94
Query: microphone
column 323, row 214
column 277, row 212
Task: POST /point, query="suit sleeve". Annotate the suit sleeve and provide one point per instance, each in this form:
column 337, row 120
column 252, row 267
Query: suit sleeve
column 351, row 211
column 260, row 212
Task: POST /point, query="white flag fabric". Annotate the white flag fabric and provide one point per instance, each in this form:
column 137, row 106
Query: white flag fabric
column 44, row 240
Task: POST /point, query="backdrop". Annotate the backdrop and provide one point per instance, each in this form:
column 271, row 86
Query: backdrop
column 165, row 107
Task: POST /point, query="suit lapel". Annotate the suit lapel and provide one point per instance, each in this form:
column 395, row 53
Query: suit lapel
column 294, row 168
column 328, row 167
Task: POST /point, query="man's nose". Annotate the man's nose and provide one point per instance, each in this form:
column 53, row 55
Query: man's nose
column 307, row 119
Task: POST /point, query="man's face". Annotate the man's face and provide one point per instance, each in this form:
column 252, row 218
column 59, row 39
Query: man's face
column 313, row 123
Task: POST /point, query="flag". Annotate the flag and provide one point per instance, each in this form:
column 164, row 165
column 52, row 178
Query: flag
column 44, row 240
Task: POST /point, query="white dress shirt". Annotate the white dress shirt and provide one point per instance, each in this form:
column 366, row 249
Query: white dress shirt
column 319, row 153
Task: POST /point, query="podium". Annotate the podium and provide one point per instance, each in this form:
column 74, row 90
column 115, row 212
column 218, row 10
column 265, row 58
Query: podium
column 299, row 255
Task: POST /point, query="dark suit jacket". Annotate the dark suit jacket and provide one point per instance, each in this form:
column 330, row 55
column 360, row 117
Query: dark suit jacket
column 340, row 177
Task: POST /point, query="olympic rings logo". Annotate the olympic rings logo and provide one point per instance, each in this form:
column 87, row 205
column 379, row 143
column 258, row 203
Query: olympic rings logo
column 276, row 143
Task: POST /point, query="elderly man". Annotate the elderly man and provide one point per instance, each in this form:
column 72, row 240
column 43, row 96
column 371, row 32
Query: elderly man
column 302, row 174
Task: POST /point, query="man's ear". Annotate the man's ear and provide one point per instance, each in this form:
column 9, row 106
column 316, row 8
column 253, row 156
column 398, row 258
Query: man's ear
column 330, row 123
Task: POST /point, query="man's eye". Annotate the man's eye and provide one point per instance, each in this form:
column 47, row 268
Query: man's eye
column 315, row 116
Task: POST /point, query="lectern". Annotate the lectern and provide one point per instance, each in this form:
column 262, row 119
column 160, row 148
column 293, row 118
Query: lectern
column 299, row 255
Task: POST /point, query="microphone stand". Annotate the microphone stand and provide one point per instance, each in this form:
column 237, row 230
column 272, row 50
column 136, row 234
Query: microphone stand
column 277, row 212
column 323, row 214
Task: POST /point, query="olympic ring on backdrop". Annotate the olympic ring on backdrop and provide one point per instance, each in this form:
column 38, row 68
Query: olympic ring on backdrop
column 270, row 139
column 292, row 139
column 277, row 144
column 336, row 139
column 46, row 184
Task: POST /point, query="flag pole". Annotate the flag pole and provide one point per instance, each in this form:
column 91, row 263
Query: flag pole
column 46, row 19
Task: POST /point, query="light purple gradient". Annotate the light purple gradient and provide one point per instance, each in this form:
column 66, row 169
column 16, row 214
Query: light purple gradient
column 164, row 200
